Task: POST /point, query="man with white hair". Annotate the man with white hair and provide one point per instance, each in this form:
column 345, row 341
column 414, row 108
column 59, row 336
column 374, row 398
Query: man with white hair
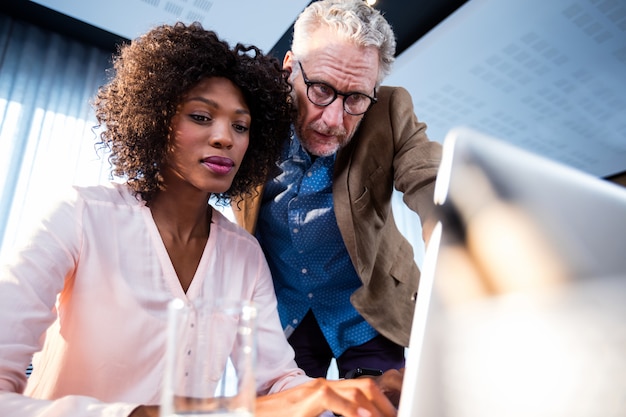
column 344, row 275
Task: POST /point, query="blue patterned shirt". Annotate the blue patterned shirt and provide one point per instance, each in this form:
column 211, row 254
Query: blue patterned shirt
column 310, row 265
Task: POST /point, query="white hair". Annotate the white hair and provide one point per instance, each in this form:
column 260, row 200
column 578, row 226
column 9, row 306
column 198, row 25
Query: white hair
column 352, row 20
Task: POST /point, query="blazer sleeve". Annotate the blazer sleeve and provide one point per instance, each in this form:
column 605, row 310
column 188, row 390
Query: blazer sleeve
column 416, row 159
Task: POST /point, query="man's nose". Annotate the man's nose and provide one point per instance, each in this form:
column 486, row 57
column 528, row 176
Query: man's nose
column 334, row 113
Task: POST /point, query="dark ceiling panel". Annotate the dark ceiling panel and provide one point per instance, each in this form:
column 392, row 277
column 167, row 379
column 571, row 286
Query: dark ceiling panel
column 412, row 19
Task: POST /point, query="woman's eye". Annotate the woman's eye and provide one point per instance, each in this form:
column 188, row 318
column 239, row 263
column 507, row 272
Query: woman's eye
column 241, row 128
column 200, row 117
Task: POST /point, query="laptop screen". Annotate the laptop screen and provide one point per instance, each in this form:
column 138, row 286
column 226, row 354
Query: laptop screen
column 526, row 313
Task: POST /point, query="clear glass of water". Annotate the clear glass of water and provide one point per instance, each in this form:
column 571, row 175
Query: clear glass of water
column 210, row 362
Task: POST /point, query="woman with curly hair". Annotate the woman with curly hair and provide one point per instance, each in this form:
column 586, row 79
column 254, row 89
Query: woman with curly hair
column 186, row 118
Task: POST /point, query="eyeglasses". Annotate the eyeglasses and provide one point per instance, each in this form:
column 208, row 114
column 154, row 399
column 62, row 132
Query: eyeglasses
column 322, row 94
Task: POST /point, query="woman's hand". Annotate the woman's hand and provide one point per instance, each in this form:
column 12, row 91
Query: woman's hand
column 360, row 397
column 145, row 411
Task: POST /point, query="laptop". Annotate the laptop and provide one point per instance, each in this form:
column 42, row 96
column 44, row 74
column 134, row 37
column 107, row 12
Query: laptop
column 521, row 308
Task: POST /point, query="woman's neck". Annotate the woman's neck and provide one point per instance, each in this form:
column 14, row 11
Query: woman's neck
column 182, row 217
column 184, row 225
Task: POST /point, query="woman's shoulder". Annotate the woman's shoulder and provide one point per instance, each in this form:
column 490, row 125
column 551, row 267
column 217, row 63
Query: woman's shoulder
column 113, row 193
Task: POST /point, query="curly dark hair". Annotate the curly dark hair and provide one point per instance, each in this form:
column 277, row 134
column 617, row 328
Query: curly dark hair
column 151, row 75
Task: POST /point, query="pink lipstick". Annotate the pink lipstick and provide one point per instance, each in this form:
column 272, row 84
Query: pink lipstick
column 219, row 164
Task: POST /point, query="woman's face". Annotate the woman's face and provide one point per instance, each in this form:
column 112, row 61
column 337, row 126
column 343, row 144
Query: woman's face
column 210, row 135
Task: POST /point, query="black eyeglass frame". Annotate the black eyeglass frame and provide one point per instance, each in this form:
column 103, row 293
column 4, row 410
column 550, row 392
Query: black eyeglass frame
column 336, row 93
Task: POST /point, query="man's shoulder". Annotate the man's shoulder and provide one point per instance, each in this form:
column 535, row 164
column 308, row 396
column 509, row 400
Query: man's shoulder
column 390, row 99
column 386, row 92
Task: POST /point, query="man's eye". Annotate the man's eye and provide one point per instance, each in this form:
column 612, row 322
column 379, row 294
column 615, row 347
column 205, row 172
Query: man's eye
column 356, row 98
column 323, row 90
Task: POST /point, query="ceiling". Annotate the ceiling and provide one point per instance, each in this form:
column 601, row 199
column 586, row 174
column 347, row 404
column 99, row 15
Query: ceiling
column 546, row 76
column 267, row 23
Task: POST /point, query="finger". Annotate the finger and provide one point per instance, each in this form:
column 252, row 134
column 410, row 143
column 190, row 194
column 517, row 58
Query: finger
column 382, row 401
column 391, row 380
column 362, row 398
column 391, row 385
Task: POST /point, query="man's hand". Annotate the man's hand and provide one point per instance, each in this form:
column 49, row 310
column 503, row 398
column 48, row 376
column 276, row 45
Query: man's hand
column 390, row 383
column 360, row 397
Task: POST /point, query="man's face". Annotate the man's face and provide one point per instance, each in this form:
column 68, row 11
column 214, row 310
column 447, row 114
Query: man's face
column 323, row 130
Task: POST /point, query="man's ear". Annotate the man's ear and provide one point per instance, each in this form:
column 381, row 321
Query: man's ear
column 288, row 61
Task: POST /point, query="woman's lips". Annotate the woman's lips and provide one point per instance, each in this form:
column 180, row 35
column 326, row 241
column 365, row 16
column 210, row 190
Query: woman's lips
column 219, row 164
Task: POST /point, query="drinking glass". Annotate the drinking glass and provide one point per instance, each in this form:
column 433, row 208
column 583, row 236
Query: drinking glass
column 210, row 359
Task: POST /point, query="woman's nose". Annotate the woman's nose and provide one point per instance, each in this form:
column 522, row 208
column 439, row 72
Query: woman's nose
column 221, row 135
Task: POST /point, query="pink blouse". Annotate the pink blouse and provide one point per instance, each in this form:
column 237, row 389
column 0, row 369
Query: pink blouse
column 88, row 297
